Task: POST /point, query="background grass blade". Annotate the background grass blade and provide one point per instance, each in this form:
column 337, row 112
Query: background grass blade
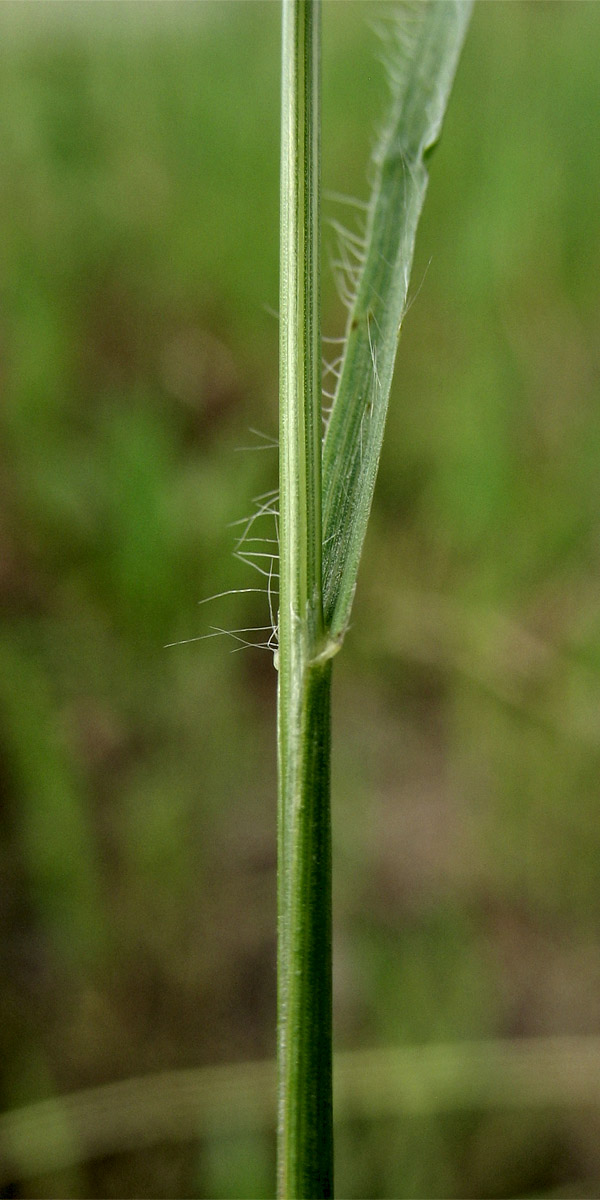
column 423, row 45
column 372, row 1085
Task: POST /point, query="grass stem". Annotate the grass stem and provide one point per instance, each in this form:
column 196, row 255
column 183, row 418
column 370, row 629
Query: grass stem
column 325, row 498
column 305, row 1136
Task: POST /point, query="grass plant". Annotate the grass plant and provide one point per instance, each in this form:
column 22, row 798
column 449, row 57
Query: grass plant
column 326, row 491
column 139, row 203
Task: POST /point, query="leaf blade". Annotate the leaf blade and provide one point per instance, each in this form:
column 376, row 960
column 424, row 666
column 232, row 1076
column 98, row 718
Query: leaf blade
column 422, row 62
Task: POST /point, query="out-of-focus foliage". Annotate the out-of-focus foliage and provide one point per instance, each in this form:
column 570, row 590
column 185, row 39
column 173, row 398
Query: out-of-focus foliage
column 138, row 205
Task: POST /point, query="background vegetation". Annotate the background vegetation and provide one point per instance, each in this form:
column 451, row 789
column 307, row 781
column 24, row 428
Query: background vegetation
column 138, row 205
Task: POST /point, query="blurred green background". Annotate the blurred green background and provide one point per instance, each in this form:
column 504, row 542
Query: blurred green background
column 139, row 245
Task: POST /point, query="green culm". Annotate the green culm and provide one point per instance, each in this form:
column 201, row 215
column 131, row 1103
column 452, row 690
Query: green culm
column 326, row 489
